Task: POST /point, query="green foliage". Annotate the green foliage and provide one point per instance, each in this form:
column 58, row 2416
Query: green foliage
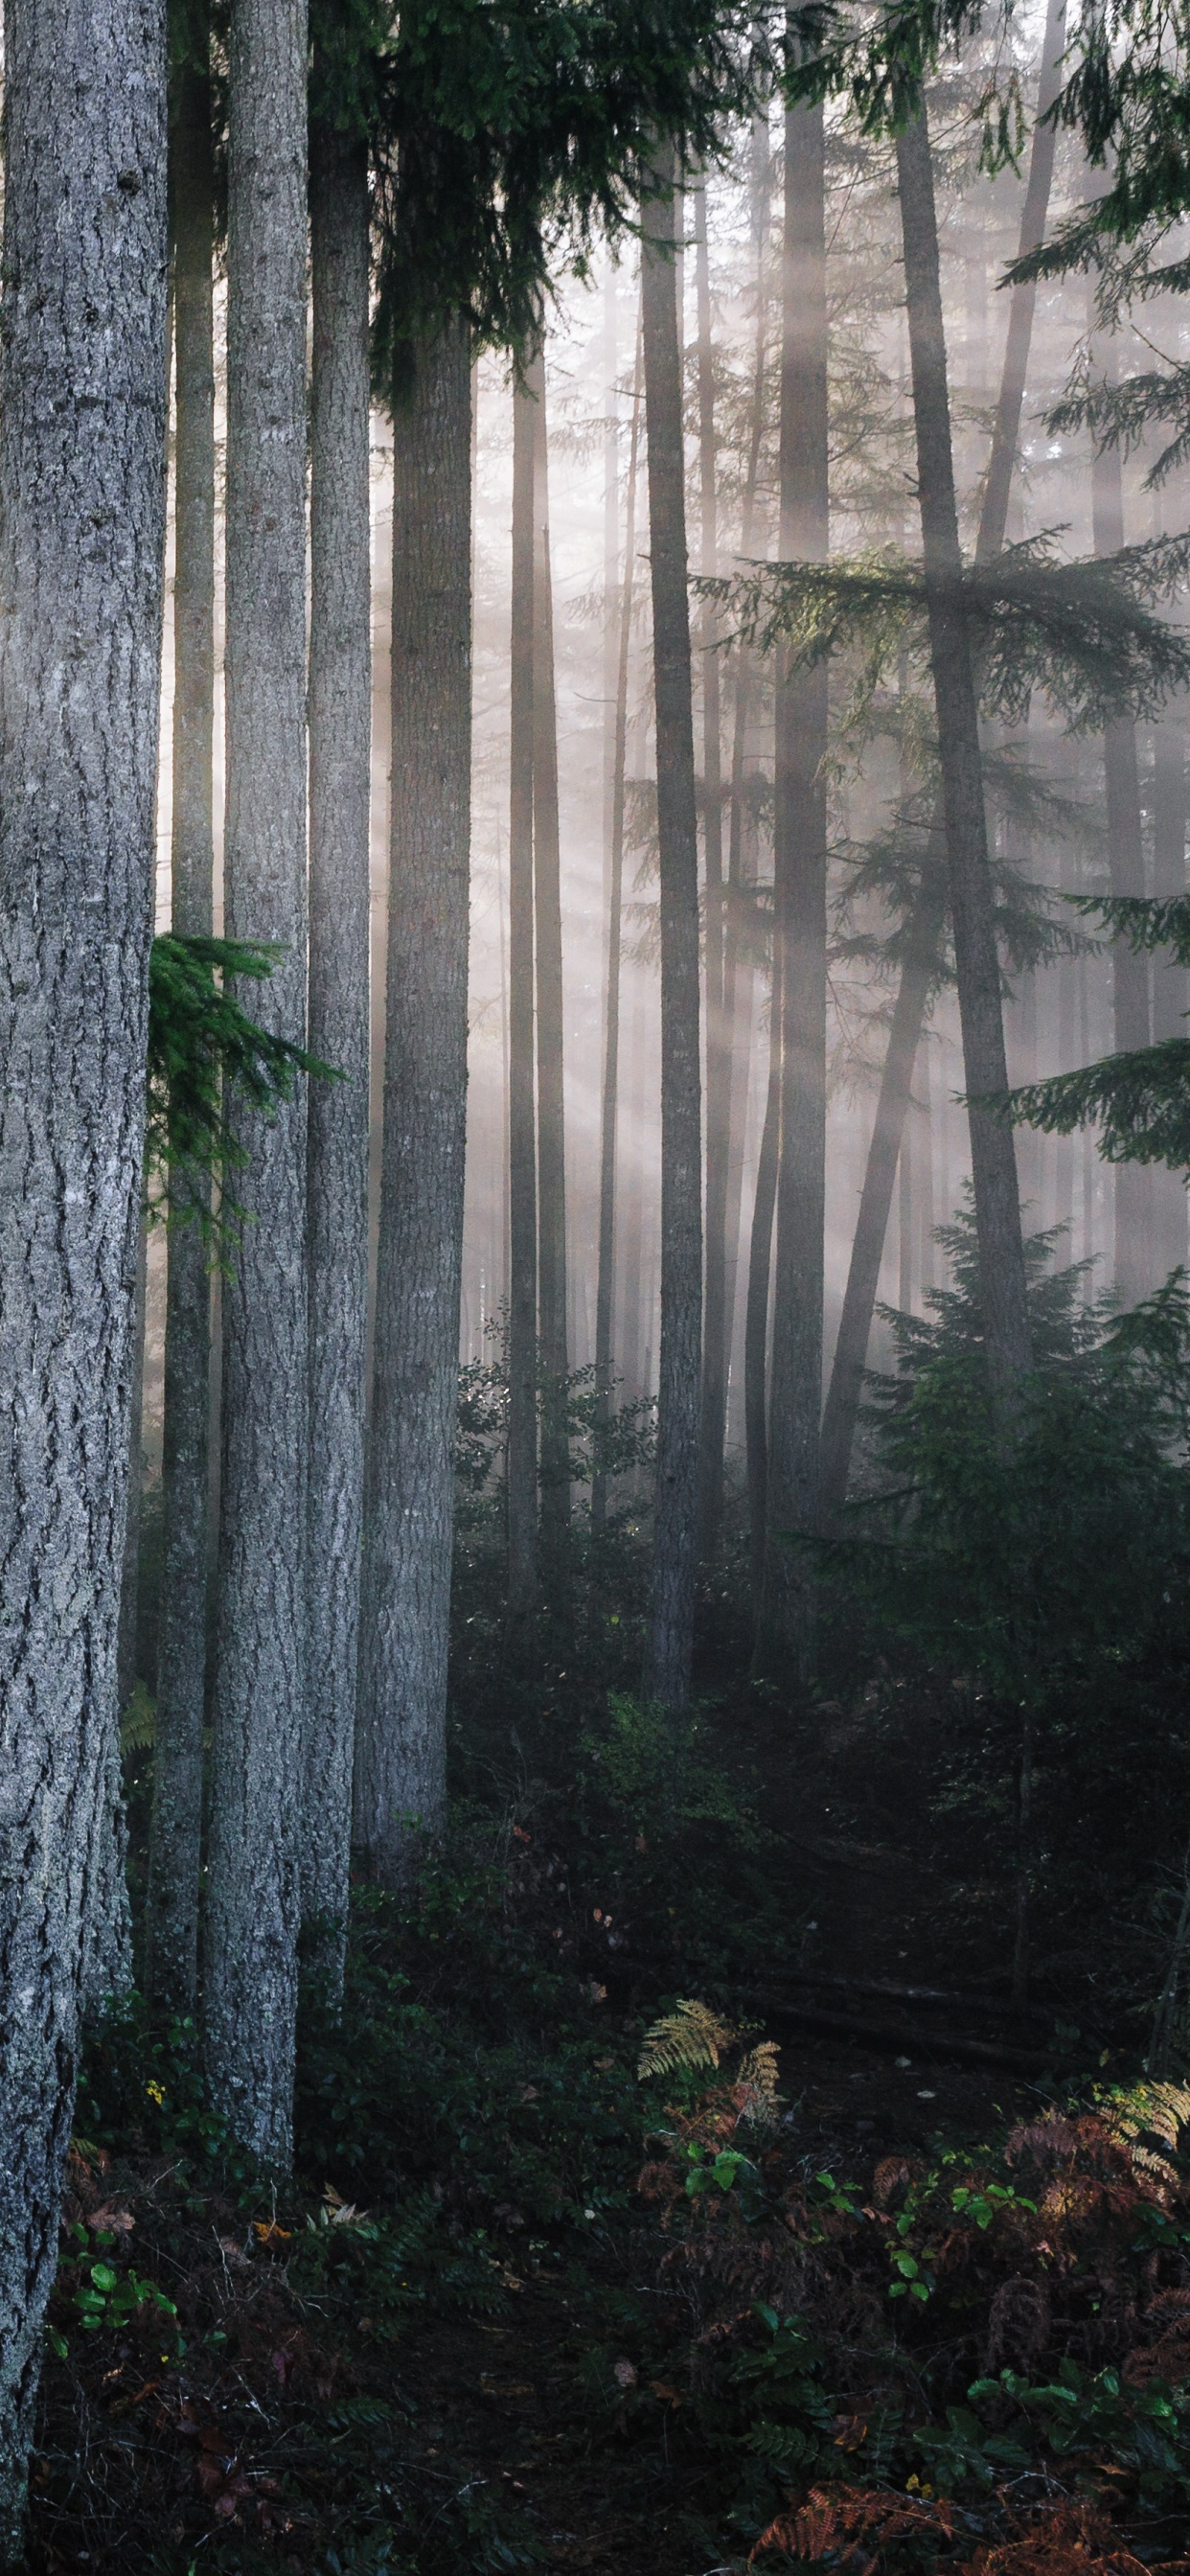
column 1139, row 1100
column 206, row 1057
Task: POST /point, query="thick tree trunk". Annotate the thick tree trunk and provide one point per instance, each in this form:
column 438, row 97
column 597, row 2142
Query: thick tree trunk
column 401, row 1753
column 340, row 717
column 260, row 1677
column 718, row 1043
column 675, row 1542
column 171, row 1940
column 82, row 518
column 522, row 1122
column 611, row 1036
column 785, row 1629
column 997, row 1198
column 1126, row 864
column 547, row 916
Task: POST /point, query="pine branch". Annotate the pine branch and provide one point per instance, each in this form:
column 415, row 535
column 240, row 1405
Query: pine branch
column 1140, row 1101
column 204, row 1052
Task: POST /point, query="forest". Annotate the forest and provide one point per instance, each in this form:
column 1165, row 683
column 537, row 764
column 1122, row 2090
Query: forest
column 595, row 1287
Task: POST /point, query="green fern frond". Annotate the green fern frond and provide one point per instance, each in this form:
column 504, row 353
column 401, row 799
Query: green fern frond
column 693, row 2035
column 138, row 1726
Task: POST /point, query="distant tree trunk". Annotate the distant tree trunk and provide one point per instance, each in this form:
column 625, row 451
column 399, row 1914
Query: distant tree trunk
column 551, row 1103
column 1169, row 981
column 1126, row 864
column 171, row 1937
column 675, row 1543
column 401, row 1760
column 863, row 1278
column 997, row 1198
column 340, row 717
column 842, row 1404
column 785, row 1629
column 756, row 1320
column 718, row 1043
column 522, row 1122
column 129, row 1628
column 82, row 525
column 250, row 1986
column 611, row 1036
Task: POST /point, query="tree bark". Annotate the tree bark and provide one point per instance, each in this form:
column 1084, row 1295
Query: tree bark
column 260, row 1670
column 171, row 1936
column 718, row 1043
column 785, row 1629
column 551, row 1104
column 82, row 522
column 1006, row 429
column 522, row 1120
column 340, row 718
column 756, row 1319
column 1126, row 864
column 611, row 1037
column 977, row 965
column 401, row 1755
column 675, row 1540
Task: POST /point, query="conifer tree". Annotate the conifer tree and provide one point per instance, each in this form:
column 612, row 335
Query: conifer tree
column 250, row 1980
column 82, row 522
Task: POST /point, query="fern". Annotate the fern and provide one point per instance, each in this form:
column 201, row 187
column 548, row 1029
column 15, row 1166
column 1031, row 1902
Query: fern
column 758, row 2072
column 692, row 2035
column 1151, row 2112
column 138, row 1726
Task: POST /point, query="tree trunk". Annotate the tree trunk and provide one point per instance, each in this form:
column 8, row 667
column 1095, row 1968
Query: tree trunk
column 82, row 523
column 401, row 1759
column 340, row 716
column 977, row 965
column 1169, row 980
column 547, row 916
column 785, row 1629
column 171, row 1938
column 756, row 1320
column 1126, row 864
column 714, row 1347
column 867, row 1251
column 260, row 1669
column 522, row 1119
column 675, row 1539
column 611, row 1038
column 851, row 1350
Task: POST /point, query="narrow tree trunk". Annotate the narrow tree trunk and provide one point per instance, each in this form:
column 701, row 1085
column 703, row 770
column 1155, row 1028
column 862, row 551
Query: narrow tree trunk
column 401, row 1756
column 851, row 1350
column 522, row 1122
column 785, row 1630
column 611, row 1036
column 756, row 1317
column 547, row 915
column 718, row 1044
column 260, row 1672
column 171, row 1939
column 82, row 522
column 997, row 1199
column 340, row 717
column 129, row 1629
column 1126, row 865
column 675, row 1543
column 1169, row 980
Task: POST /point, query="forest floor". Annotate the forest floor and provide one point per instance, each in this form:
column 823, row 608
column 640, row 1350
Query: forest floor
column 466, row 2341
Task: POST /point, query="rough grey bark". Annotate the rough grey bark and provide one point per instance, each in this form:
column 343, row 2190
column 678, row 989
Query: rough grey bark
column 675, row 1525
column 171, row 1935
column 130, row 1567
column 547, row 919
column 1133, row 1191
column 250, row 1986
column 401, row 1750
column 82, row 518
column 340, row 718
column 977, row 966
column 718, row 1041
column 521, row 1468
column 851, row 1349
column 605, row 1283
column 785, row 1628
column 1169, row 981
